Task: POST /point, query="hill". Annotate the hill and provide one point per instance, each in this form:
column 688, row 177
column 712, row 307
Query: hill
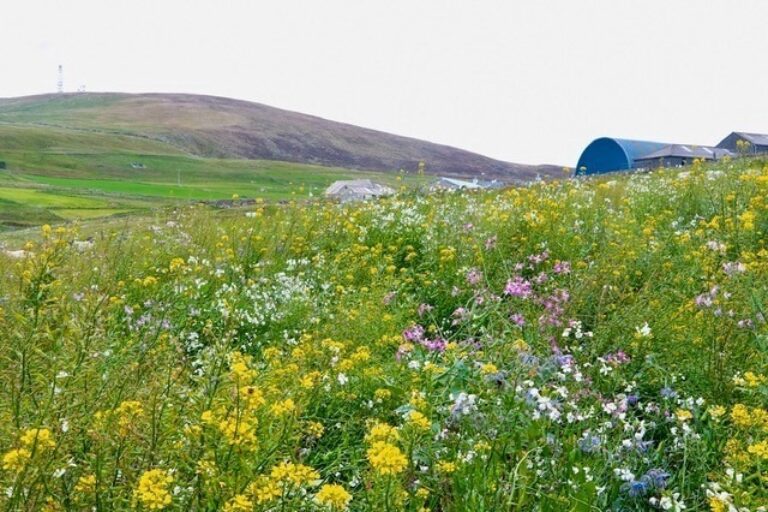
column 215, row 127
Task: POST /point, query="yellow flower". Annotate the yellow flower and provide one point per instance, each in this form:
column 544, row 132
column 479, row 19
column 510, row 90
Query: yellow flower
column 446, row 467
column 16, row 459
column 38, row 438
column 488, row 369
column 252, row 397
column 386, row 459
column 239, row 503
column 86, row 484
column 239, row 367
column 176, row 264
column 315, row 429
column 382, row 432
column 333, row 496
column 382, row 394
column 264, row 489
column 716, row 411
column 152, row 491
column 128, row 413
column 298, row 474
column 760, row 449
column 283, row 408
column 754, row 380
column 418, row 420
column 717, row 505
column 740, row 416
column 239, row 431
column 683, row 414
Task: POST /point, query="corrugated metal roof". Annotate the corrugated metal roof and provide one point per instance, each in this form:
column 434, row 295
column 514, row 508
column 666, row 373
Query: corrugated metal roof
column 687, row 151
column 460, row 183
column 358, row 187
column 758, row 139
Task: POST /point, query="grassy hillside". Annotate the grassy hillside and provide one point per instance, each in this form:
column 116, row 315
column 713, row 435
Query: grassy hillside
column 56, row 174
column 581, row 345
column 214, row 127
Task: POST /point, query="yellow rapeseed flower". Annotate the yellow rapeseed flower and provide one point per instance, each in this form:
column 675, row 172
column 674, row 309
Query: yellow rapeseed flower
column 386, row 459
column 333, row 496
column 152, row 491
column 86, row 484
column 297, row 474
column 239, row 503
column 418, row 420
column 264, row 489
column 15, row 460
column 40, row 439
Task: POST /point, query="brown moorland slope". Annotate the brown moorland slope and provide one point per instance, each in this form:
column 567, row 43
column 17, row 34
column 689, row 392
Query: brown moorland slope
column 227, row 128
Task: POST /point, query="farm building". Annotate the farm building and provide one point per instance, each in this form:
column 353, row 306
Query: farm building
column 444, row 183
column 677, row 155
column 757, row 143
column 356, row 190
column 609, row 154
column 454, row 184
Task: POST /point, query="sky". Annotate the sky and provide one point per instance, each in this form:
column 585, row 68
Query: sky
column 524, row 81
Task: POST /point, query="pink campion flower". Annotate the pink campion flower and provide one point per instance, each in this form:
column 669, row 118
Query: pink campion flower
column 415, row 333
column 474, row 277
column 518, row 287
column 562, row 267
column 436, row 345
column 424, row 309
column 490, row 243
column 459, row 315
column 536, row 259
column 518, row 319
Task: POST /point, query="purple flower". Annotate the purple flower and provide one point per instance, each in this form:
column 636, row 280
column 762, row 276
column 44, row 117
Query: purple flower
column 490, row 243
column 518, row 319
column 415, row 333
column 518, row 287
column 562, row 267
column 424, row 308
column 474, row 276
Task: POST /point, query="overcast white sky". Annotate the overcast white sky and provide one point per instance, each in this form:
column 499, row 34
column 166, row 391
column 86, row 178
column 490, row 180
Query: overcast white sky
column 526, row 81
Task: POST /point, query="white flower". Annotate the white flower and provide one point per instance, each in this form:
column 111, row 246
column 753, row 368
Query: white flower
column 342, row 379
column 644, row 331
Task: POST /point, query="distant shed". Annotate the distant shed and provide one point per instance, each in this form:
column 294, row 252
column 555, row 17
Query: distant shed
column 758, row 142
column 677, row 155
column 444, row 183
column 356, row 190
column 608, row 154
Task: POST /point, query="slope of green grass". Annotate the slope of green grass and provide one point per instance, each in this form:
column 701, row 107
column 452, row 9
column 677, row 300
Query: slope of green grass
column 83, row 171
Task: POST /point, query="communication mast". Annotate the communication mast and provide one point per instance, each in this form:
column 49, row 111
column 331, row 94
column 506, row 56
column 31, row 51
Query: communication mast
column 60, row 82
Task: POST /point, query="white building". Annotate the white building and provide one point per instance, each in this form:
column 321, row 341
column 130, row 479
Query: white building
column 356, row 190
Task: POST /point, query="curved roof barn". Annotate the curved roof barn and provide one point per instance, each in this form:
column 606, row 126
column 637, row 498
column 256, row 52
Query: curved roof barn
column 609, row 154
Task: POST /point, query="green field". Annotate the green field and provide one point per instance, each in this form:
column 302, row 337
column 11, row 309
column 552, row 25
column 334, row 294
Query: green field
column 54, row 174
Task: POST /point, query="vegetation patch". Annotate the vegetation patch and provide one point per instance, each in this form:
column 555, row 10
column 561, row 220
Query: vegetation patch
column 579, row 345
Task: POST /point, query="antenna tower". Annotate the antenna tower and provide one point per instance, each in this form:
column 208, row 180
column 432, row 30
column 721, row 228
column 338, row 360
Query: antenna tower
column 60, row 81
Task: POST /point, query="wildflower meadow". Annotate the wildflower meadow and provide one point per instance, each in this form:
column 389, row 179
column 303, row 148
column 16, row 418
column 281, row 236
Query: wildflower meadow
column 574, row 345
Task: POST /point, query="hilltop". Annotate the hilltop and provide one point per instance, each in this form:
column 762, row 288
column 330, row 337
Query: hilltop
column 216, row 127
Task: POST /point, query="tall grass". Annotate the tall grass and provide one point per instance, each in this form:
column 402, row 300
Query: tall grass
column 574, row 345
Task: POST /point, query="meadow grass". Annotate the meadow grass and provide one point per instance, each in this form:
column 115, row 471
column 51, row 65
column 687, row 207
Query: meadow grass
column 49, row 164
column 579, row 345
